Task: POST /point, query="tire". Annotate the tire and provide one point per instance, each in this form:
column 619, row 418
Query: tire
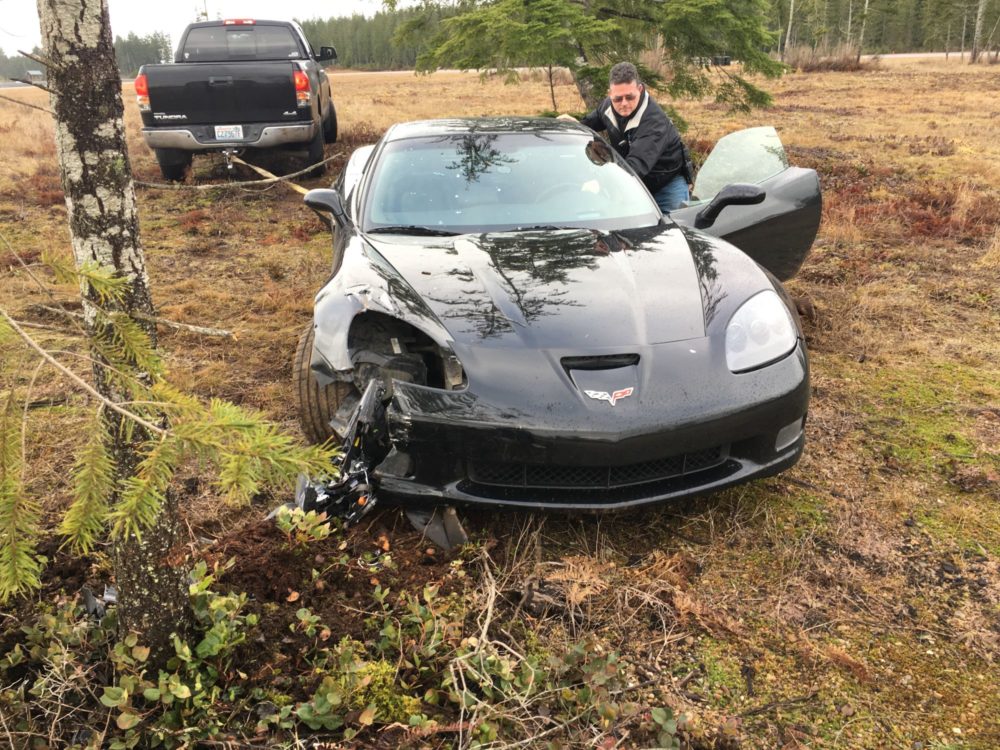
column 317, row 404
column 173, row 162
column 315, row 154
column 330, row 126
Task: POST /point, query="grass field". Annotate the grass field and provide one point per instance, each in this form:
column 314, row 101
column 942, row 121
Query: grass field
column 852, row 602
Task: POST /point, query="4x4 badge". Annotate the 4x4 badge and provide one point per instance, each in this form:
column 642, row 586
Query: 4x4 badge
column 611, row 398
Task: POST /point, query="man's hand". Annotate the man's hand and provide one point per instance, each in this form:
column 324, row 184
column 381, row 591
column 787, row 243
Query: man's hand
column 564, row 116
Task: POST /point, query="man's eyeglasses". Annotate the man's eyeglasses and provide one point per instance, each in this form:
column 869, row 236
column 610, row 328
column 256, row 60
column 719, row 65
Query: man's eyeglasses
column 624, row 97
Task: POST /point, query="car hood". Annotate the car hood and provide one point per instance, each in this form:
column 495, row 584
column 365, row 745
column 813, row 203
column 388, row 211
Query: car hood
column 577, row 289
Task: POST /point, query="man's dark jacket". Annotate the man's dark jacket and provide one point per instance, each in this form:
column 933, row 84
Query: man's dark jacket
column 647, row 140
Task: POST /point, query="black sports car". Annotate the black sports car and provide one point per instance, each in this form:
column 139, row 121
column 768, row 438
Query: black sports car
column 511, row 320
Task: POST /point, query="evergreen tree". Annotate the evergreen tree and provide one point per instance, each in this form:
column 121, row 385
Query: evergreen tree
column 588, row 38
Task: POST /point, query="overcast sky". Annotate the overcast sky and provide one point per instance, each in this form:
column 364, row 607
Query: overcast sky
column 19, row 18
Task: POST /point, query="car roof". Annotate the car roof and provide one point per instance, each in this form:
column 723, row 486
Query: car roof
column 462, row 125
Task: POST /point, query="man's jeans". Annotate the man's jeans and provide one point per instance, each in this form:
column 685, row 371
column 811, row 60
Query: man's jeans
column 671, row 195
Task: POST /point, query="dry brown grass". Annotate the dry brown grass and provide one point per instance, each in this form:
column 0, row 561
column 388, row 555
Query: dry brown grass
column 851, row 602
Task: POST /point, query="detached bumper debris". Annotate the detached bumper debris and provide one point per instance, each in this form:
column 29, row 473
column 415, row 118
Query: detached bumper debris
column 97, row 607
column 440, row 525
column 351, row 495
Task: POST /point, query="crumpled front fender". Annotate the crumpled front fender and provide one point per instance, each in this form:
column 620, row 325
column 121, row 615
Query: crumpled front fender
column 365, row 282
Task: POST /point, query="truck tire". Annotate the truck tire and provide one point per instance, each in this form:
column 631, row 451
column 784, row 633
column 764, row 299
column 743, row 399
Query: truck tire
column 330, row 125
column 317, row 404
column 315, row 154
column 173, row 162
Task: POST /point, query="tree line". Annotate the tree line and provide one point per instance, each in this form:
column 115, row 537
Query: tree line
column 887, row 26
column 131, row 53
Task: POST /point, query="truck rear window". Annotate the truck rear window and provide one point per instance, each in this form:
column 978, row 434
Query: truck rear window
column 222, row 43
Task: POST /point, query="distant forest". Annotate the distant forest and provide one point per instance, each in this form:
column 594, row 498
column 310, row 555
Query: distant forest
column 890, row 26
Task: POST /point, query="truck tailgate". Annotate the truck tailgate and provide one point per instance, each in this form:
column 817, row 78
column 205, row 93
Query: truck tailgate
column 216, row 93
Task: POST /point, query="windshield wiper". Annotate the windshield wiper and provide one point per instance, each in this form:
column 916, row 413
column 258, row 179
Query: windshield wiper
column 413, row 229
column 541, row 228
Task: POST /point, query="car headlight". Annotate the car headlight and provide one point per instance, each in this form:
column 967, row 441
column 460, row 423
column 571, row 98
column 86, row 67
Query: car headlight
column 761, row 331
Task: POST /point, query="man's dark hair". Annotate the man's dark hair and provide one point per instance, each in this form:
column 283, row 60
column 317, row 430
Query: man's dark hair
column 624, row 72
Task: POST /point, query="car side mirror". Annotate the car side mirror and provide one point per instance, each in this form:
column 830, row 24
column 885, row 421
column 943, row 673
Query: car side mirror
column 737, row 194
column 326, row 53
column 327, row 201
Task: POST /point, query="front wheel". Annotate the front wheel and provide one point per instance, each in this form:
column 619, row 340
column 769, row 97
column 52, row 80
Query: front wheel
column 173, row 162
column 317, row 404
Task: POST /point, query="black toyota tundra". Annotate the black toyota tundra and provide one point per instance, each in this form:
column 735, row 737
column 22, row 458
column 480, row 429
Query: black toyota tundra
column 237, row 84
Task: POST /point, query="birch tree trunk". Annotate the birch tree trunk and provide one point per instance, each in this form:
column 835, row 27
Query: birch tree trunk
column 100, row 199
column 965, row 18
column 977, row 35
column 861, row 34
column 788, row 34
column 850, row 20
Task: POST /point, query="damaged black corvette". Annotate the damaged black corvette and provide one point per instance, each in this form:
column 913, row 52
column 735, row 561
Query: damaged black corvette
column 511, row 321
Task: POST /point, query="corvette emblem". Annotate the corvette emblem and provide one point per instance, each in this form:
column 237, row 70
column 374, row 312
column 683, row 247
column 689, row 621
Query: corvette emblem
column 611, row 398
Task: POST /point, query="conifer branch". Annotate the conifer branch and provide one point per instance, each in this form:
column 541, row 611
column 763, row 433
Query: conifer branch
column 94, row 483
column 20, row 566
column 76, row 378
column 38, row 282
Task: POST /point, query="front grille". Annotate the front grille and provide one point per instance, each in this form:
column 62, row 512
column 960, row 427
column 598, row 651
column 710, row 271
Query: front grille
column 550, row 476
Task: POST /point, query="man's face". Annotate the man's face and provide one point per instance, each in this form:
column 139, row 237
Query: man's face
column 625, row 97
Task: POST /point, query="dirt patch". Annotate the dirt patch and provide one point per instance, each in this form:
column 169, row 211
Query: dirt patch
column 334, row 577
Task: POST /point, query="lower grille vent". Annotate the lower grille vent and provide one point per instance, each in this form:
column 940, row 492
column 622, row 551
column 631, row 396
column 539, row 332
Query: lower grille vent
column 548, row 476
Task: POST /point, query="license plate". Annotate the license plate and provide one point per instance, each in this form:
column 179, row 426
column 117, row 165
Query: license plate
column 228, row 132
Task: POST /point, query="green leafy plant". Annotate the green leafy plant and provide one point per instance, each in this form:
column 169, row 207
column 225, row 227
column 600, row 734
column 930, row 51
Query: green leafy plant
column 302, row 528
column 666, row 723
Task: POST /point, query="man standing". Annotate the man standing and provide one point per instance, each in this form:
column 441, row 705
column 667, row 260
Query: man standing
column 641, row 132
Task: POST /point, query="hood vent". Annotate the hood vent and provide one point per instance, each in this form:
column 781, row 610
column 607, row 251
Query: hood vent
column 600, row 362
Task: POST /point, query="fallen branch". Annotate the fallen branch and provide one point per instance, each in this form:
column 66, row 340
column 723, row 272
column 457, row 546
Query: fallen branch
column 780, row 704
column 810, row 486
column 38, row 282
column 76, row 378
column 205, row 331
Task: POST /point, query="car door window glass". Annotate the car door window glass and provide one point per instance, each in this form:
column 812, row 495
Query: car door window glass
column 750, row 156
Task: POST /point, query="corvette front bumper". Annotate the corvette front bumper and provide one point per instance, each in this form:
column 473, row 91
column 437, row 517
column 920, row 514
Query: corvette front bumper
column 515, row 459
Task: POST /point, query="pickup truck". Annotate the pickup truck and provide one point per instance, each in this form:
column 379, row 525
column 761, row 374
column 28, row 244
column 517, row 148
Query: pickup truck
column 235, row 85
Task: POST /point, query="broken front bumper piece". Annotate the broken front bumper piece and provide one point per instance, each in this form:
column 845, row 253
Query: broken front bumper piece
column 351, row 495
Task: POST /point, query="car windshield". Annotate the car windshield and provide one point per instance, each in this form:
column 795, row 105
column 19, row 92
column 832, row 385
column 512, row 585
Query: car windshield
column 494, row 182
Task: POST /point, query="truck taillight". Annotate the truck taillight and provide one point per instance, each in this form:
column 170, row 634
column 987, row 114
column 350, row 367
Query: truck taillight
column 239, row 22
column 142, row 92
column 303, row 94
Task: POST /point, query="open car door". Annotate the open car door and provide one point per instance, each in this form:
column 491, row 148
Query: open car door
column 776, row 232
